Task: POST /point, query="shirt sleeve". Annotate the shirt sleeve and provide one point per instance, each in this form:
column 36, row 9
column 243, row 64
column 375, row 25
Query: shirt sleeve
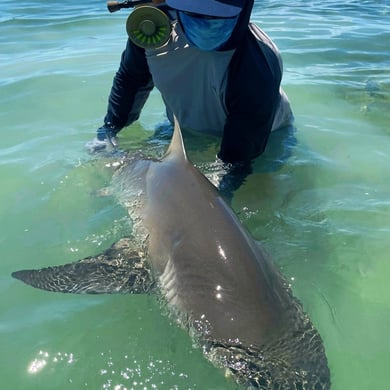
column 252, row 98
column 131, row 87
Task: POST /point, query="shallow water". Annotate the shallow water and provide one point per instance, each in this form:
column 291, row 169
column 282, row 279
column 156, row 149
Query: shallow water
column 323, row 213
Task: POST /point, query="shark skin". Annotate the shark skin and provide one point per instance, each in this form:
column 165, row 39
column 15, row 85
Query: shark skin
column 215, row 279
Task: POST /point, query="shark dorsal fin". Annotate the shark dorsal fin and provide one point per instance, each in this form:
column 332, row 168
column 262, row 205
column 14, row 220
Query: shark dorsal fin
column 176, row 148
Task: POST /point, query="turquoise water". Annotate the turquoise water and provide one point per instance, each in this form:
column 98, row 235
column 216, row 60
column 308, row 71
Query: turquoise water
column 323, row 214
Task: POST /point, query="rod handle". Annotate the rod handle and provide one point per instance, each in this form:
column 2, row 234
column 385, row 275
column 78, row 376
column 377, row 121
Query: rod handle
column 113, row 6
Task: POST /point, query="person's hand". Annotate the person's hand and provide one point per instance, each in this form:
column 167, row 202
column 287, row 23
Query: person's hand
column 105, row 140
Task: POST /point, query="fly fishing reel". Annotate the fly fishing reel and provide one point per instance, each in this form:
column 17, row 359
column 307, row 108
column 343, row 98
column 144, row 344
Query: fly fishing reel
column 147, row 26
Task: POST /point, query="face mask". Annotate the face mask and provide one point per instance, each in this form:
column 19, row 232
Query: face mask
column 207, row 33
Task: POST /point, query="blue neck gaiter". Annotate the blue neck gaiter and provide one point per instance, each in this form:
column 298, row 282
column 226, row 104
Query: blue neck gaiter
column 207, row 33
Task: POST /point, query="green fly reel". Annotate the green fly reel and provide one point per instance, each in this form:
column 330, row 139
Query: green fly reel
column 148, row 27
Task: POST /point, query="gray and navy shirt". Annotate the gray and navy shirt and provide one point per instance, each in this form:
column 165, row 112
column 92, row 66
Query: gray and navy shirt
column 234, row 92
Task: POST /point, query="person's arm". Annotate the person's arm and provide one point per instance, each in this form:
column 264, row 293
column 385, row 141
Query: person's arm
column 131, row 87
column 252, row 98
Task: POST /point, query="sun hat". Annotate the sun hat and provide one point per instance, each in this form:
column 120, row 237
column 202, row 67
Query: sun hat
column 217, row 8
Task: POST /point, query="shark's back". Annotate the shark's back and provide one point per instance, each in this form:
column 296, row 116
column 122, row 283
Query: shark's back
column 216, row 277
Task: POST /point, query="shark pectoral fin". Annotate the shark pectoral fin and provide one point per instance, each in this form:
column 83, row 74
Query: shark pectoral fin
column 119, row 269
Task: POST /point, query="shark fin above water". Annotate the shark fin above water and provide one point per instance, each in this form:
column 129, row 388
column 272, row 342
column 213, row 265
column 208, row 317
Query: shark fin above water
column 119, row 269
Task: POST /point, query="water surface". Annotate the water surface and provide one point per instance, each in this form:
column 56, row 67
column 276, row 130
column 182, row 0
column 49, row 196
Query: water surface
column 323, row 213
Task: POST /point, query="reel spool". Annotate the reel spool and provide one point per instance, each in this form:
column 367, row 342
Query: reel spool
column 148, row 27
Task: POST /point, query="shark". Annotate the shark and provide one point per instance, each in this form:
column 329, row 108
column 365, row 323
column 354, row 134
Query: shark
column 189, row 248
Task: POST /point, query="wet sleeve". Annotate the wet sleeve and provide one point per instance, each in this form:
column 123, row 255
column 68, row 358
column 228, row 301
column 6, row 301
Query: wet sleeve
column 131, row 87
column 252, row 98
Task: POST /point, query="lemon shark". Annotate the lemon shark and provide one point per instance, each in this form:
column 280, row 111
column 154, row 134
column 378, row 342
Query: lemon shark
column 217, row 282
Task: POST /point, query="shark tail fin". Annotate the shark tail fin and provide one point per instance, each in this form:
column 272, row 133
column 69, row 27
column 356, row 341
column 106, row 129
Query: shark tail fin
column 119, row 269
column 176, row 148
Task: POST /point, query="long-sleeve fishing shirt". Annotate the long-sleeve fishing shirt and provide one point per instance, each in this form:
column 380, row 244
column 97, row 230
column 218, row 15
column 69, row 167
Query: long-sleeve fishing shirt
column 234, row 92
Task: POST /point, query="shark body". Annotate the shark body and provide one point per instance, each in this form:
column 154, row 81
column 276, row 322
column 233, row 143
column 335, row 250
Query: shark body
column 211, row 274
